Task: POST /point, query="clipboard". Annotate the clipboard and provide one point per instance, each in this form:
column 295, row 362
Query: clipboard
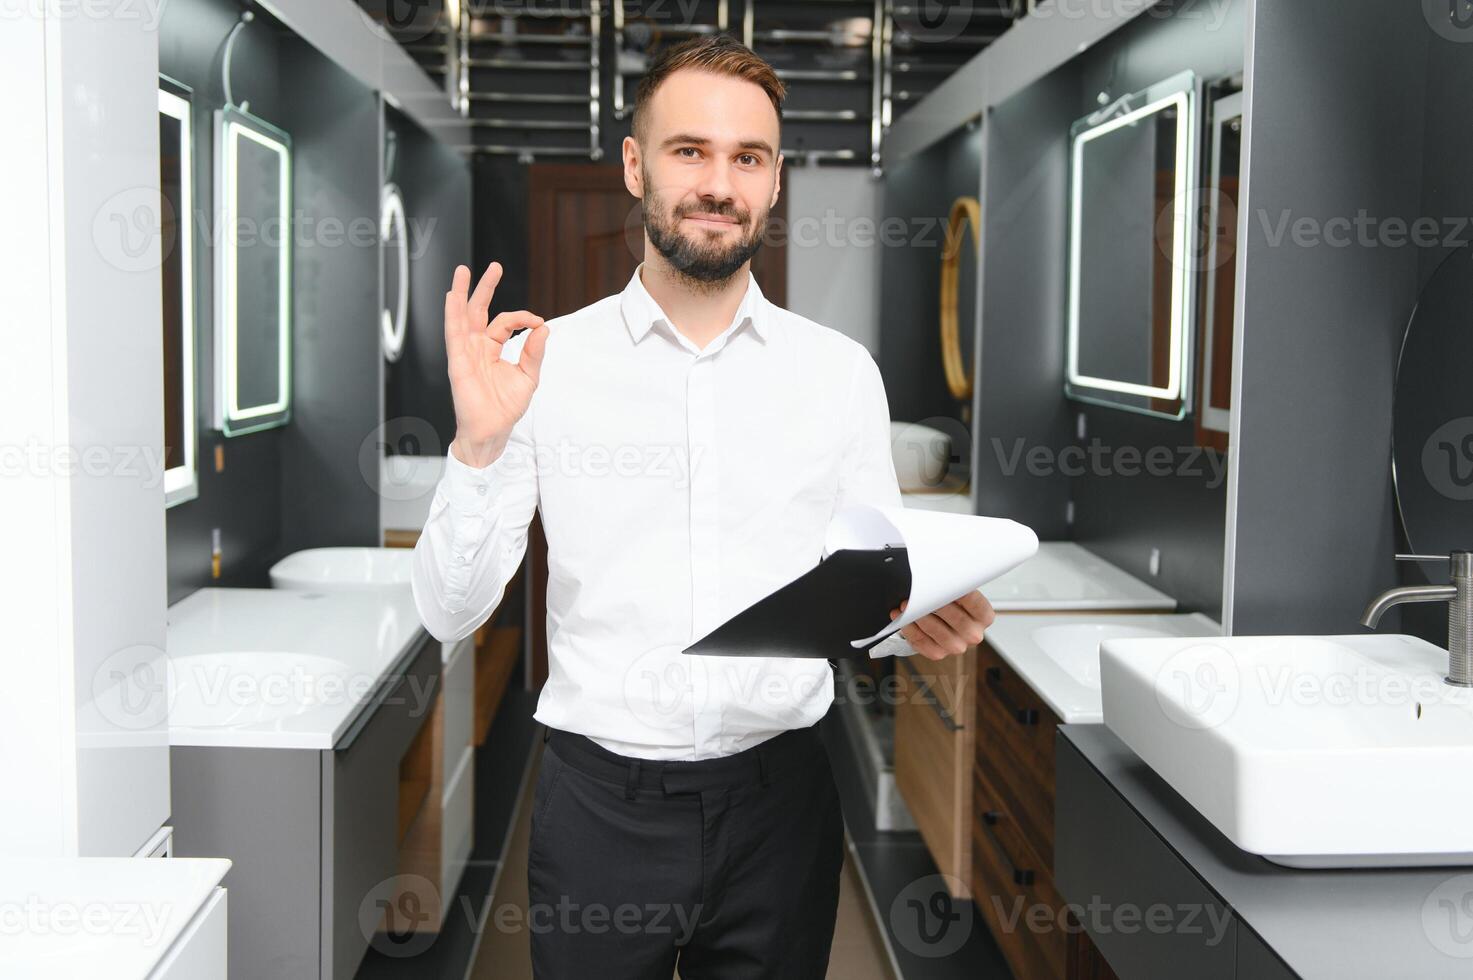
column 848, row 585
column 873, row 559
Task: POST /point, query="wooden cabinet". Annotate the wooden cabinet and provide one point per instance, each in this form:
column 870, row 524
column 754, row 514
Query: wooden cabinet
column 933, row 757
column 1015, row 751
column 1013, row 821
column 974, row 759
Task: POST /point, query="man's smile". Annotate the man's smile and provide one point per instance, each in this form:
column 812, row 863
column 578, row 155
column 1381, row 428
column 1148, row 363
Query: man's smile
column 706, row 219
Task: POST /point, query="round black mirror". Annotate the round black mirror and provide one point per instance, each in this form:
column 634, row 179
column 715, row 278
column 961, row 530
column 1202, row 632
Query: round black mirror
column 1432, row 446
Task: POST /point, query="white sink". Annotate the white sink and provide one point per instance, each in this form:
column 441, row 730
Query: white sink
column 343, row 569
column 247, row 688
column 1058, row 655
column 281, row 668
column 1064, row 576
column 1075, row 648
column 1314, row 752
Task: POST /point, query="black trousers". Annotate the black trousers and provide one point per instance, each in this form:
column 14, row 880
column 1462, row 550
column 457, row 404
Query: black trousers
column 730, row 865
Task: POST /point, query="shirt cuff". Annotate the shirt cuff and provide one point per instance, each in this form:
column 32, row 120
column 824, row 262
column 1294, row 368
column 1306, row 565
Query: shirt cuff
column 467, row 488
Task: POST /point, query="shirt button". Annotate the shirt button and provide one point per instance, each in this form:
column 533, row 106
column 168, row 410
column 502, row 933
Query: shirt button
column 481, row 490
column 460, row 559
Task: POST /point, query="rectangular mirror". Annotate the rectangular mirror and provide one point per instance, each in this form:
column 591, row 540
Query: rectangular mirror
column 253, row 274
column 176, row 236
column 1133, row 195
column 1220, row 289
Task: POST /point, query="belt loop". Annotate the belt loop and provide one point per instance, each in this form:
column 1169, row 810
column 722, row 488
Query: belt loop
column 546, row 733
column 633, row 781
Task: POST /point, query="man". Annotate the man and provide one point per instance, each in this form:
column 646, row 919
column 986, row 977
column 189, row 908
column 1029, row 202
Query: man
column 686, row 442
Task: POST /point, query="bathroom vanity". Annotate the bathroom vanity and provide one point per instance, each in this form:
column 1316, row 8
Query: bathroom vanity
column 936, row 702
column 1164, row 893
column 974, row 734
column 292, row 717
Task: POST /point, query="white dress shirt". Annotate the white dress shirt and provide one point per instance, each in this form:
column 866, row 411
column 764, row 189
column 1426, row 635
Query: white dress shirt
column 677, row 486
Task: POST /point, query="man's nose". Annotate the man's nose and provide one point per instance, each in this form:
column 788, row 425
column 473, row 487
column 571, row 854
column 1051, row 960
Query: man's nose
column 715, row 184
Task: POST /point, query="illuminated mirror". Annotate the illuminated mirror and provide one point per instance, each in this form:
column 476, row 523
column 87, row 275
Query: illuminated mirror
column 253, row 274
column 1221, row 279
column 394, row 250
column 176, row 236
column 1132, row 261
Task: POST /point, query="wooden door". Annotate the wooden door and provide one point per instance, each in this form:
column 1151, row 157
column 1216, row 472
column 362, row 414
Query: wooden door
column 586, row 237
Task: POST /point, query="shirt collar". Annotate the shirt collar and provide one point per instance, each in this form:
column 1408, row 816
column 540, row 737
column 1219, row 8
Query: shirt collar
column 641, row 312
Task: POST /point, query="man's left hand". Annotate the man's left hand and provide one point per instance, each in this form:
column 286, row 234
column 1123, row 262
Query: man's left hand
column 951, row 629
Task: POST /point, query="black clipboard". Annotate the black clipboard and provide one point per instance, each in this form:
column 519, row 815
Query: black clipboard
column 847, row 595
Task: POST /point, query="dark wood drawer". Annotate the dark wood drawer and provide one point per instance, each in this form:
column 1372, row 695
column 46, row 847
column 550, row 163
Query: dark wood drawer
column 1015, row 749
column 1012, row 888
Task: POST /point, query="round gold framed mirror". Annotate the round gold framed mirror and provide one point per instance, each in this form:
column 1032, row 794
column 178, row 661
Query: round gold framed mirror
column 965, row 211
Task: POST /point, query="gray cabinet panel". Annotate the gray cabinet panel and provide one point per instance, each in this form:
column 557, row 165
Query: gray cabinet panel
column 360, row 794
column 1256, row 961
column 257, row 807
column 1141, row 904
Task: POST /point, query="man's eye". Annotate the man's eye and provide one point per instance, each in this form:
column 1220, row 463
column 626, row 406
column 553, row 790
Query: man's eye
column 687, row 151
column 747, row 159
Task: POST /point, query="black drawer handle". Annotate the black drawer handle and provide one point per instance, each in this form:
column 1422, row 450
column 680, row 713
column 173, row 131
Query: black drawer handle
column 929, row 697
column 1024, row 716
column 1021, row 876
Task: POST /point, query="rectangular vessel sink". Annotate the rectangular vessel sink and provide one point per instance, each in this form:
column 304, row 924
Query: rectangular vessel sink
column 1314, row 752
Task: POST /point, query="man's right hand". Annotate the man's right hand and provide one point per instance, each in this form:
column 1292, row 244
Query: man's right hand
column 489, row 394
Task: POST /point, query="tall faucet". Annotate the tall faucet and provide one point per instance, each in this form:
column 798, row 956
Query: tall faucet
column 1458, row 596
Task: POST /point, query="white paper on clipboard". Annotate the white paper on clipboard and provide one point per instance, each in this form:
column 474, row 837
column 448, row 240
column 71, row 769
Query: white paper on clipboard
column 950, row 554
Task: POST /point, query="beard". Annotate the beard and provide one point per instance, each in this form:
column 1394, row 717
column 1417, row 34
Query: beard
column 701, row 257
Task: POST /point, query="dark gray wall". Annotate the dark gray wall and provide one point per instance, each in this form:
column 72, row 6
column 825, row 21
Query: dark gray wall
column 436, row 184
column 480, row 214
column 1315, row 531
column 1020, row 406
column 916, row 202
column 1447, row 192
column 313, row 462
column 1121, row 511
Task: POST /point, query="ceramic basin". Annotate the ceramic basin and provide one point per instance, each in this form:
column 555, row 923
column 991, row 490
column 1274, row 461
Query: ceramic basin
column 343, row 569
column 252, row 688
column 1075, row 648
column 1316, row 752
column 1065, row 576
column 1058, row 654
column 281, row 668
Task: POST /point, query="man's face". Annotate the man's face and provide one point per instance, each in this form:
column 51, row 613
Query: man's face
column 706, row 171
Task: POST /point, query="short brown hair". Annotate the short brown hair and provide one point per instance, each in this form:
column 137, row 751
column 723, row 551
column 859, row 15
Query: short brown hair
column 720, row 54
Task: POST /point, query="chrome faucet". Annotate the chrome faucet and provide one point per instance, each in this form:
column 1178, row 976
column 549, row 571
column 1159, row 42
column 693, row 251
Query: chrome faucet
column 1458, row 596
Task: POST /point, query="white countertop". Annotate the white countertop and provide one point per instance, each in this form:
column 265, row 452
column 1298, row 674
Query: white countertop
column 1065, row 576
column 280, row 668
column 1058, row 655
column 98, row 917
